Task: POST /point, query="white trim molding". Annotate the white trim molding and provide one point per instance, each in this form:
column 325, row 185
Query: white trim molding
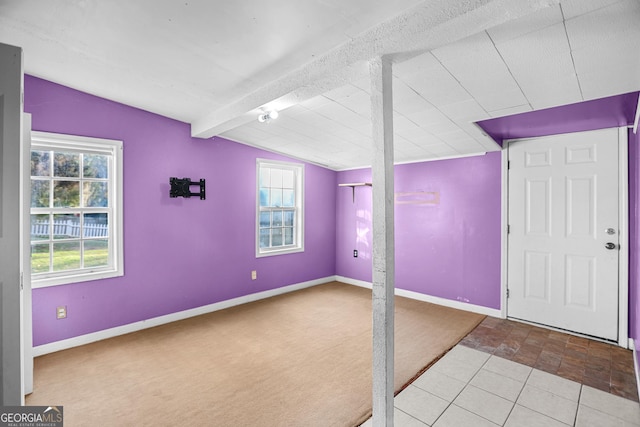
column 113, row 150
column 623, row 225
column 428, row 298
column 632, row 346
column 504, row 230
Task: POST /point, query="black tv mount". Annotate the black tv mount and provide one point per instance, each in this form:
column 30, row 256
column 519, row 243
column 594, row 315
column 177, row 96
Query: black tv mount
column 181, row 188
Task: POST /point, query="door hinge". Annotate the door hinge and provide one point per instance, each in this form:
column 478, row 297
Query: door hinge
column 508, row 228
column 21, row 281
column 507, row 292
column 508, row 164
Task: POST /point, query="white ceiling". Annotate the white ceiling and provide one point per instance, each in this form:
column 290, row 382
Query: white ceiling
column 217, row 64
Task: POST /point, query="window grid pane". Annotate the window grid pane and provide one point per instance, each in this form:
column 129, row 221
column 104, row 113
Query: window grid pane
column 95, row 253
column 277, row 206
column 66, row 256
column 81, row 238
column 40, row 193
column 40, row 258
column 66, row 165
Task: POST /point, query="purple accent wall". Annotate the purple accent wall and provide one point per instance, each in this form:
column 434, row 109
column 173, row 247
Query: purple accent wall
column 447, row 228
column 179, row 253
column 613, row 111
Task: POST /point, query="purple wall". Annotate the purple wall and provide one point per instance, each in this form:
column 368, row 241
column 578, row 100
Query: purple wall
column 449, row 245
column 613, row 111
column 179, row 253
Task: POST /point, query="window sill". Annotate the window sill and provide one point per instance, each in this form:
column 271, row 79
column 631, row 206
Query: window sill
column 76, row 278
column 273, row 252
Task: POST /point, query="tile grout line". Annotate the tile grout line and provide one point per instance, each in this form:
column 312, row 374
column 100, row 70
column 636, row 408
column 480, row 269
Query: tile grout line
column 518, row 397
column 575, row 419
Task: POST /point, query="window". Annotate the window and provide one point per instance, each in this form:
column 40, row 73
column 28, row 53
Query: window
column 76, row 209
column 279, row 212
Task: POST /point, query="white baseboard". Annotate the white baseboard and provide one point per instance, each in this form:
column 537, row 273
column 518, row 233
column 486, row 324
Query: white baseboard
column 161, row 320
column 428, row 298
column 632, row 345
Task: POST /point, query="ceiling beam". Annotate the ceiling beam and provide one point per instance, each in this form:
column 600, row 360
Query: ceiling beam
column 429, row 25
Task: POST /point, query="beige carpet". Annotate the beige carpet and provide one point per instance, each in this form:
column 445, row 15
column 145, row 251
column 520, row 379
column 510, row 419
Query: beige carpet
column 300, row 359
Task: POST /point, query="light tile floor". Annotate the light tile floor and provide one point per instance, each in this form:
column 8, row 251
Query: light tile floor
column 468, row 387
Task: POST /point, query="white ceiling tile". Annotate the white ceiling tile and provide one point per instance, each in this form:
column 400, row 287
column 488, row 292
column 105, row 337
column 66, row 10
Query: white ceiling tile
column 606, row 28
column 601, row 74
column 249, row 131
column 455, row 136
column 477, row 65
column 527, row 24
column 441, row 127
column 426, row 117
column 294, row 111
column 413, row 134
column 601, row 41
column 364, row 129
column 358, row 102
column 414, row 105
column 442, row 150
column 315, row 102
column 406, row 100
column 341, row 92
column 352, row 136
column 561, row 92
column 542, row 65
column 573, row 8
column 436, row 85
column 465, row 111
column 401, row 123
column 363, row 84
column 428, row 140
column 468, row 147
column 509, row 111
column 419, row 64
column 480, row 136
column 497, row 97
column 402, row 145
column 338, row 113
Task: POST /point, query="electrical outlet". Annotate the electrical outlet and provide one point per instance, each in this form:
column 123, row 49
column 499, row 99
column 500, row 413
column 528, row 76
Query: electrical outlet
column 254, row 275
column 355, row 253
column 61, row 312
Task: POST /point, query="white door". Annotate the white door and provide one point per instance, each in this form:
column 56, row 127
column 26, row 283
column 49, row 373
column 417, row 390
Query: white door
column 563, row 241
column 11, row 392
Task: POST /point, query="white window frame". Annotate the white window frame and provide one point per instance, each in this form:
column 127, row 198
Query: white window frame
column 298, row 245
column 45, row 141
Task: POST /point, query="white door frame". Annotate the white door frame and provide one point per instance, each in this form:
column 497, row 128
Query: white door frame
column 623, row 213
column 25, row 259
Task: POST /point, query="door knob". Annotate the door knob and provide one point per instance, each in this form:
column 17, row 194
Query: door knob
column 610, row 245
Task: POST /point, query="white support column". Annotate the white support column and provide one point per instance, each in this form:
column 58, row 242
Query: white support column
column 383, row 241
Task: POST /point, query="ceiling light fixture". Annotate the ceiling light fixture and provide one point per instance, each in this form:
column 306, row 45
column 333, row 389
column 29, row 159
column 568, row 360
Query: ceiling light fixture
column 268, row 116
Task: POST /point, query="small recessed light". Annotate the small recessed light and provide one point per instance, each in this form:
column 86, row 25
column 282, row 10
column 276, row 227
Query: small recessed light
column 268, row 116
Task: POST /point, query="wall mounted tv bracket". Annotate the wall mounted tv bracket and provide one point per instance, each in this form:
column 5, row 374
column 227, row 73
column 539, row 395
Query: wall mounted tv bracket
column 181, row 188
